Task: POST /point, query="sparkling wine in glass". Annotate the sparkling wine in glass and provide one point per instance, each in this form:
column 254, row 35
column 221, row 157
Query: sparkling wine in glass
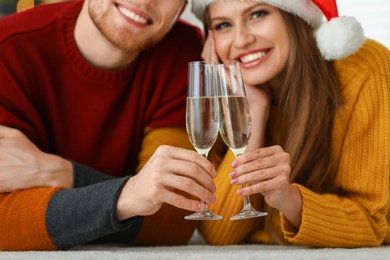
column 235, row 123
column 202, row 116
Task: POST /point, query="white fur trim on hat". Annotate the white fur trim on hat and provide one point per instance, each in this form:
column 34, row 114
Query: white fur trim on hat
column 305, row 9
column 336, row 39
column 340, row 37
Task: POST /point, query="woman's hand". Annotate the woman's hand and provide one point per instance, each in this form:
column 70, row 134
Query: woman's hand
column 268, row 172
column 209, row 53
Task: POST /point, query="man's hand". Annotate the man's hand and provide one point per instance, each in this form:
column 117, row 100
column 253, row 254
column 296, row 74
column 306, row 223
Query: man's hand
column 24, row 166
column 168, row 170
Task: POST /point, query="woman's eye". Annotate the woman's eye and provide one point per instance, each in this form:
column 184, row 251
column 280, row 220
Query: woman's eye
column 221, row 26
column 259, row 14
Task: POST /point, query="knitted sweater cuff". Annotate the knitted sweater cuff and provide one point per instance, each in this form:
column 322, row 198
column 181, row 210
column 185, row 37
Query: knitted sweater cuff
column 78, row 216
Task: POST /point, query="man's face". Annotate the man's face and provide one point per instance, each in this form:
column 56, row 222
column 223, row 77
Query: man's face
column 134, row 25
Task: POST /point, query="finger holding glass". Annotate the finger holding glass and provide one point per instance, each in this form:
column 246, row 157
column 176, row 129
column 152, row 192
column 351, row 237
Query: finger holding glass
column 202, row 116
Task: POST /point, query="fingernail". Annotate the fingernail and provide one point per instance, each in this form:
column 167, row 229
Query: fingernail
column 213, row 188
column 233, row 174
column 214, row 173
column 234, row 163
column 233, row 181
column 201, row 206
column 211, row 198
column 240, row 191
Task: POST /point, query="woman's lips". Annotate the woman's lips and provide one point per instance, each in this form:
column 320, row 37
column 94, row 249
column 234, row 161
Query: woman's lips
column 252, row 56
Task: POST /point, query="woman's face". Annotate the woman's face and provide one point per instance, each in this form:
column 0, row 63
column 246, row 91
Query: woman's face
column 253, row 34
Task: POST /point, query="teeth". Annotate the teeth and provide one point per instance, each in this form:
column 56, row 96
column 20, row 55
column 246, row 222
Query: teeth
column 252, row 57
column 133, row 16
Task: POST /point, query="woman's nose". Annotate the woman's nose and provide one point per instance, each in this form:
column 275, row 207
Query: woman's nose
column 243, row 37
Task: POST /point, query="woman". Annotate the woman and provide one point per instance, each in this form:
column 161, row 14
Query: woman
column 319, row 157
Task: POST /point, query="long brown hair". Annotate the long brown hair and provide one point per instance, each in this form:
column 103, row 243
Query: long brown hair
column 307, row 101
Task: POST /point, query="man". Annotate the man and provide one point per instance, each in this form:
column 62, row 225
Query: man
column 92, row 90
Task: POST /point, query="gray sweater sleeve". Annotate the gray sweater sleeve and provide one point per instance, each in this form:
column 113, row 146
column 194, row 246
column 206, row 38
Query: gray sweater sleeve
column 80, row 215
column 84, row 176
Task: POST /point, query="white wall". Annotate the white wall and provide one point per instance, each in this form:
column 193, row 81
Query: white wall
column 189, row 16
column 374, row 15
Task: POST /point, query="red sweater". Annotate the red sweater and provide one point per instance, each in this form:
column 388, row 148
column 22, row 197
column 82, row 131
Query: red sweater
column 68, row 107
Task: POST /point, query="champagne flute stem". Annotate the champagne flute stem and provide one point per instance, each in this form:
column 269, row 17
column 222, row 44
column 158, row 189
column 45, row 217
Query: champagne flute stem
column 247, row 202
column 205, row 156
column 206, row 214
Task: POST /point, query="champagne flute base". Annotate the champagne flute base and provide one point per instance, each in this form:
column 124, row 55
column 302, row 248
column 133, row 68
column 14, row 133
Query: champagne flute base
column 204, row 215
column 249, row 213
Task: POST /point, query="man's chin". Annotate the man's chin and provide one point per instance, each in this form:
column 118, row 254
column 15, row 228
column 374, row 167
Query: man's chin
column 135, row 45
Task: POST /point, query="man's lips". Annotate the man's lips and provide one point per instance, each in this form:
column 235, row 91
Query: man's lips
column 133, row 16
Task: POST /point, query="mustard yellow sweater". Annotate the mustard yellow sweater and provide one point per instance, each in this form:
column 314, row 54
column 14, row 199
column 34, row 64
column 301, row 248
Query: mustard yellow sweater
column 361, row 142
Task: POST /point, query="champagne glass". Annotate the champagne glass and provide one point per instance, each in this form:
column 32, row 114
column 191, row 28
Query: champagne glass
column 202, row 116
column 235, row 126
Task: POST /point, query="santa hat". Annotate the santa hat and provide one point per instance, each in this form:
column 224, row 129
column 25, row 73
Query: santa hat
column 337, row 37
